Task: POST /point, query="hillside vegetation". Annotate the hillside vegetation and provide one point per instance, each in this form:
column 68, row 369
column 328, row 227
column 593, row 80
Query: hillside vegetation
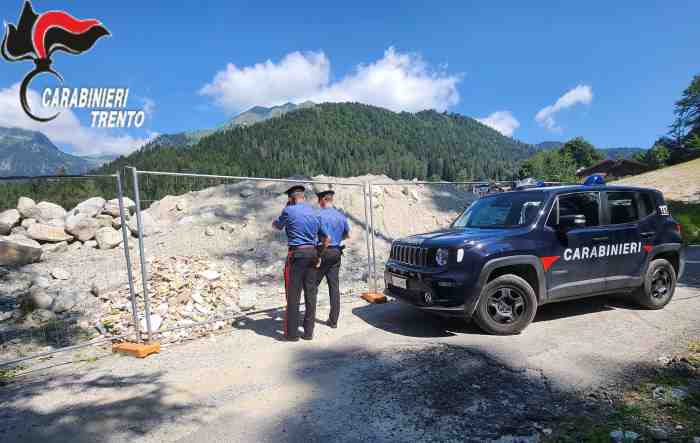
column 343, row 140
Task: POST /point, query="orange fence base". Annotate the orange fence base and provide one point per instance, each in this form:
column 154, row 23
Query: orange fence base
column 138, row 350
column 374, row 297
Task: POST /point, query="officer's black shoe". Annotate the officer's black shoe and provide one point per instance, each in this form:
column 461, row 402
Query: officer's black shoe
column 308, row 336
column 291, row 339
column 332, row 325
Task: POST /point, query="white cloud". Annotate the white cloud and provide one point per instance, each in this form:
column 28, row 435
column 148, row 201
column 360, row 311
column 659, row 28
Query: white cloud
column 66, row 130
column 501, row 121
column 581, row 94
column 397, row 81
column 296, row 76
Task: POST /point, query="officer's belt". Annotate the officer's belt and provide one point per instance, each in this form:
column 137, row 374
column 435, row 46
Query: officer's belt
column 294, row 248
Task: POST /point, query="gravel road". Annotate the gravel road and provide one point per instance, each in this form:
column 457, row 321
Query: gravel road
column 390, row 373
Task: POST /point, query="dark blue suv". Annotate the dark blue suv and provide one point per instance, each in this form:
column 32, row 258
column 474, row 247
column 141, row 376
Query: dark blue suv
column 510, row 252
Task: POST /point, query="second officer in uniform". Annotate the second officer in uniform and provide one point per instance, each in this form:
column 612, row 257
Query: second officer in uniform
column 334, row 229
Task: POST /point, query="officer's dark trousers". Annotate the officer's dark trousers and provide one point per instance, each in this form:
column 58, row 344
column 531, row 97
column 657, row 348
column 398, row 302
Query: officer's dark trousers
column 330, row 269
column 300, row 273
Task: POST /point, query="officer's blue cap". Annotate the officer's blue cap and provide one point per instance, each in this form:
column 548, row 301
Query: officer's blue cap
column 294, row 189
column 325, row 193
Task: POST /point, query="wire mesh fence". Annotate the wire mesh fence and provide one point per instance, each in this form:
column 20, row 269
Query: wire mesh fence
column 210, row 253
column 62, row 255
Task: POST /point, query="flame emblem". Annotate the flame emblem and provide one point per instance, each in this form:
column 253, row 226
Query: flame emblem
column 37, row 37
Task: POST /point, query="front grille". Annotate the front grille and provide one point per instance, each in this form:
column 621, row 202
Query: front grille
column 410, row 255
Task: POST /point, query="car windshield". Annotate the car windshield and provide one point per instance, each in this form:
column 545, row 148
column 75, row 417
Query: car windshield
column 507, row 210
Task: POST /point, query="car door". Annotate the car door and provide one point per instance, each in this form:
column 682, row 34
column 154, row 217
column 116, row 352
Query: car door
column 574, row 270
column 626, row 214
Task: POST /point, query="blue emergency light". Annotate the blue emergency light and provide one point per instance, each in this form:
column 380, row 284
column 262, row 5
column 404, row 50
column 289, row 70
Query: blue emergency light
column 594, row 180
column 529, row 183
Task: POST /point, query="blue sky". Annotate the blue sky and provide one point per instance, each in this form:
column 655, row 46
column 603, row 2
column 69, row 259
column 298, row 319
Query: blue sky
column 622, row 63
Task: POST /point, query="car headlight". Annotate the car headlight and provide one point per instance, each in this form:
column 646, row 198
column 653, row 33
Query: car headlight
column 441, row 256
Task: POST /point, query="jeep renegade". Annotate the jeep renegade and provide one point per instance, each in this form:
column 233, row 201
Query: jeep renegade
column 511, row 252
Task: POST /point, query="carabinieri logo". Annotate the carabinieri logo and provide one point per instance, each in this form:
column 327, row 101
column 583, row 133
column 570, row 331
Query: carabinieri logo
column 38, row 37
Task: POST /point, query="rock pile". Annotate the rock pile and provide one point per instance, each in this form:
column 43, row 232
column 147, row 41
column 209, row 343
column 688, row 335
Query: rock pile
column 37, row 300
column 33, row 230
column 182, row 290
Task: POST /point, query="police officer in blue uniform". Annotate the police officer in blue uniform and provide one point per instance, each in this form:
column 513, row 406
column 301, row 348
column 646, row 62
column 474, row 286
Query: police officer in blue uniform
column 303, row 227
column 334, row 229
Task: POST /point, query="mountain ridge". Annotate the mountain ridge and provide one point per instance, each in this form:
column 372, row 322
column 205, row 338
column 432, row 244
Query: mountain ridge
column 343, row 139
column 31, row 153
column 254, row 115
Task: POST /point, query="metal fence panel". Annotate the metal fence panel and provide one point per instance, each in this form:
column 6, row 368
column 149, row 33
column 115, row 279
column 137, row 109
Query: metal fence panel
column 209, row 254
column 62, row 259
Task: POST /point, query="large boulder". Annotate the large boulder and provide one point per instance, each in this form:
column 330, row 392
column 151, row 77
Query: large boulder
column 90, row 207
column 82, row 226
column 18, row 230
column 105, row 220
column 19, row 251
column 109, row 238
column 65, row 300
column 117, row 222
column 150, row 226
column 8, row 220
column 38, row 298
column 57, row 223
column 52, row 234
column 26, row 206
column 46, row 211
column 112, row 206
column 27, row 222
column 54, row 248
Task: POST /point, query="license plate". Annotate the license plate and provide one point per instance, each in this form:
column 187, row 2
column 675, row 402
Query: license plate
column 398, row 282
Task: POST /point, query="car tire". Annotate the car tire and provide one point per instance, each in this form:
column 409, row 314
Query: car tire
column 506, row 306
column 659, row 285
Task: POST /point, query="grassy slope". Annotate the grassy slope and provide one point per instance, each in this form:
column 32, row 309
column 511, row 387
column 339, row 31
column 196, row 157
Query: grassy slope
column 679, row 183
column 681, row 187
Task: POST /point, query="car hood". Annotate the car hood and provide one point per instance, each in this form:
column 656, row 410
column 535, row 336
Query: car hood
column 457, row 236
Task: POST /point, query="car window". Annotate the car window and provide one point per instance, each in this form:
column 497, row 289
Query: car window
column 506, row 210
column 646, row 204
column 580, row 203
column 622, row 207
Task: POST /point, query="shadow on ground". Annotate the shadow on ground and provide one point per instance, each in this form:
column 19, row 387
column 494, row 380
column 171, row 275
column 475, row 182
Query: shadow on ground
column 411, row 393
column 268, row 323
column 398, row 318
column 82, row 418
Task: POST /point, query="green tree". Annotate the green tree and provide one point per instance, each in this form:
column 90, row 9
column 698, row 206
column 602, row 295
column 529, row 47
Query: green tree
column 583, row 152
column 658, row 156
column 554, row 165
column 687, row 111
